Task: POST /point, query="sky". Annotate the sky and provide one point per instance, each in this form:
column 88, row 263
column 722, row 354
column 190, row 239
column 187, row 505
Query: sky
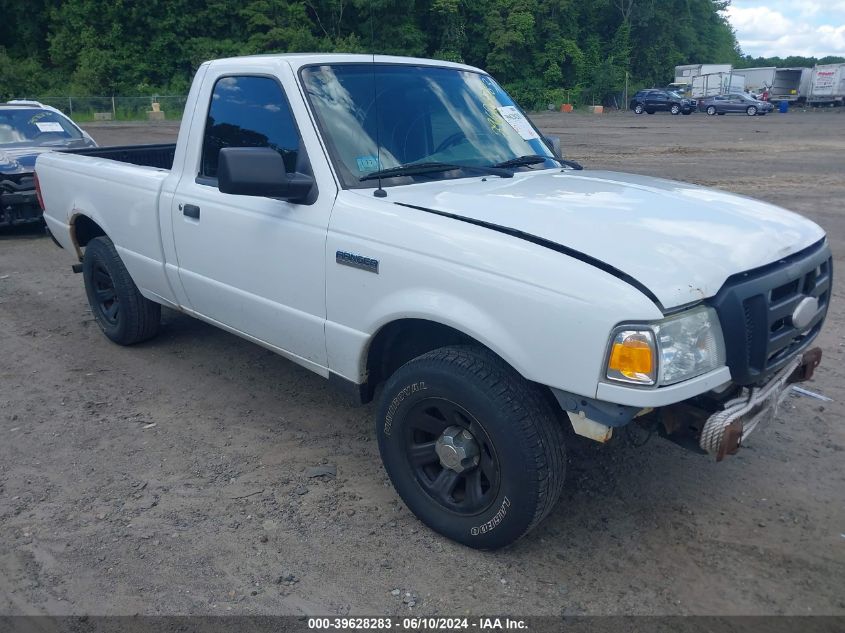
column 767, row 28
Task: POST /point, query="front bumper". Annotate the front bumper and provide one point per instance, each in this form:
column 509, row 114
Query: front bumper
column 662, row 396
column 18, row 202
column 724, row 431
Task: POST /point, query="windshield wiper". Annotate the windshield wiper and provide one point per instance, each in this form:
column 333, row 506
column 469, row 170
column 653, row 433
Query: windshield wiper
column 536, row 159
column 413, row 169
column 522, row 161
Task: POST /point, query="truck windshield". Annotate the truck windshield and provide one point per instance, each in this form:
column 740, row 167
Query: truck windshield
column 33, row 126
column 383, row 116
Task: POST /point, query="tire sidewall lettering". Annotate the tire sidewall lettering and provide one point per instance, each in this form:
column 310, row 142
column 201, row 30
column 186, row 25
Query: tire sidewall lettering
column 493, row 523
column 397, row 401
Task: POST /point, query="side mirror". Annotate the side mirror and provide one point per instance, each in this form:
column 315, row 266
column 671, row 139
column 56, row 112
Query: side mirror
column 259, row 171
column 554, row 144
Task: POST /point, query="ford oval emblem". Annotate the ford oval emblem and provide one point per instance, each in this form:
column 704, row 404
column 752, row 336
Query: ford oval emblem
column 804, row 312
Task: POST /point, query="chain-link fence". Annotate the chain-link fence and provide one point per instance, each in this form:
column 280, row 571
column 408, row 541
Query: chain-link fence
column 157, row 107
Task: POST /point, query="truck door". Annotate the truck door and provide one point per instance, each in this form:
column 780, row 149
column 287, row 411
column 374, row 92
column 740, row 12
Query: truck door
column 255, row 265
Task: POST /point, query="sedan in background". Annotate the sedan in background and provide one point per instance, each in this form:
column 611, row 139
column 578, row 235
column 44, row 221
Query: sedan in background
column 651, row 101
column 740, row 103
column 28, row 128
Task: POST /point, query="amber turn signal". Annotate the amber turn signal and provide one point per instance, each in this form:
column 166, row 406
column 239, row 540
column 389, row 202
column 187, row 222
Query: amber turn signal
column 632, row 357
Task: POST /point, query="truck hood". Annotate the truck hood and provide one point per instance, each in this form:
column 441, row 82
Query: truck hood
column 679, row 240
column 19, row 160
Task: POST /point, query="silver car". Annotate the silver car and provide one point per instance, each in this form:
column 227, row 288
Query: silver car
column 742, row 103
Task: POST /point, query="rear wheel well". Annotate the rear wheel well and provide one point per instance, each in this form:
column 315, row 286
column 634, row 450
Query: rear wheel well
column 84, row 229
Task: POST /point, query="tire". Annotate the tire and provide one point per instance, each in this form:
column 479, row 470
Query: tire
column 639, row 109
column 675, row 109
column 120, row 310
column 520, row 457
column 711, row 110
column 751, row 111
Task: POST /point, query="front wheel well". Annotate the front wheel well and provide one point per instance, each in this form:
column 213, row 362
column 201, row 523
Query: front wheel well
column 401, row 341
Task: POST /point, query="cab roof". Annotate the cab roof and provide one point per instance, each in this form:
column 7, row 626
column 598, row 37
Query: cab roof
column 298, row 60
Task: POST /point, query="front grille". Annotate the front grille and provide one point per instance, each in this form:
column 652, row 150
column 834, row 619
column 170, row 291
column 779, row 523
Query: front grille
column 18, row 203
column 755, row 309
column 17, row 182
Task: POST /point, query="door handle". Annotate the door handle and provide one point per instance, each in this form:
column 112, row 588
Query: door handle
column 191, row 211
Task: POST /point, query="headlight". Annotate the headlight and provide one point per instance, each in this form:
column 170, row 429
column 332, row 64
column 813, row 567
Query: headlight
column 668, row 351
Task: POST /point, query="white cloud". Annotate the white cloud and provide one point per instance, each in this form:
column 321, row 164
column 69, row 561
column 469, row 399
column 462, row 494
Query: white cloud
column 783, row 28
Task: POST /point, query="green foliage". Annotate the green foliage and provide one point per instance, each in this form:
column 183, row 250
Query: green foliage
column 793, row 61
column 544, row 51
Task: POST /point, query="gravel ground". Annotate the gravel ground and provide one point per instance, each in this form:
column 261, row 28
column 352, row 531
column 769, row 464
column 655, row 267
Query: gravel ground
column 172, row 477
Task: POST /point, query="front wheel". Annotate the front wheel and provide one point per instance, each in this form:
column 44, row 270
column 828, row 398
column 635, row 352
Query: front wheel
column 751, row 111
column 675, row 109
column 124, row 315
column 473, row 449
column 711, row 110
column 639, row 109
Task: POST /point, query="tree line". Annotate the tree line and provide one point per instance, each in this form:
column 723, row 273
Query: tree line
column 542, row 51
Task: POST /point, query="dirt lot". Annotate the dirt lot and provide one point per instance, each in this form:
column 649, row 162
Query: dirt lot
column 170, row 477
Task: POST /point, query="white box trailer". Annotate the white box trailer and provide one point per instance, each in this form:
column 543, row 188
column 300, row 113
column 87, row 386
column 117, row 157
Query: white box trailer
column 757, row 79
column 685, row 74
column 827, row 85
column 790, row 84
column 783, row 84
column 717, row 84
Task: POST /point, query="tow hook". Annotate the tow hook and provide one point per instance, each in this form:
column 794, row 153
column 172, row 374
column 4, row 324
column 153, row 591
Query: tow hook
column 724, row 431
column 811, row 359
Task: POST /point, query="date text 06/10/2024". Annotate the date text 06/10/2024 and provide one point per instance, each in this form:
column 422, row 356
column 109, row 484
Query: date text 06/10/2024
column 418, row 624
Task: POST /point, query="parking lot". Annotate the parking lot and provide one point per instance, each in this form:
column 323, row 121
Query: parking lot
column 173, row 476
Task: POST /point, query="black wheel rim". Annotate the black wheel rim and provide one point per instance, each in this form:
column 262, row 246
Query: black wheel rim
column 107, row 301
column 467, row 493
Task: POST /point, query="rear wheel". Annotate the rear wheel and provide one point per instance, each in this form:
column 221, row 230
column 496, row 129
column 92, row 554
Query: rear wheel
column 639, row 109
column 124, row 315
column 751, row 111
column 473, row 449
column 711, row 110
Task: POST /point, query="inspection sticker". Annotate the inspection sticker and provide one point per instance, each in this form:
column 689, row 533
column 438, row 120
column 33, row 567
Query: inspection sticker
column 367, row 163
column 518, row 122
column 49, row 126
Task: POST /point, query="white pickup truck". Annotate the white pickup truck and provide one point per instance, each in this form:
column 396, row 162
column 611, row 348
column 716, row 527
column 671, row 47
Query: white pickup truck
column 401, row 228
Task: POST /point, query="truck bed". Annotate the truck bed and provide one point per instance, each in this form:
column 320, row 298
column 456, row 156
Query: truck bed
column 156, row 155
column 118, row 188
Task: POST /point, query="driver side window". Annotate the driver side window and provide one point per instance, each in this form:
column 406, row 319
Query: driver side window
column 248, row 111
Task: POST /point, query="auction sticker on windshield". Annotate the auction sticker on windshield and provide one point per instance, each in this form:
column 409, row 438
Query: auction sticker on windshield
column 518, row 122
column 49, row 126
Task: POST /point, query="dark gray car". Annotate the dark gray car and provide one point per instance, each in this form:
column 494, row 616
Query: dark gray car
column 740, row 103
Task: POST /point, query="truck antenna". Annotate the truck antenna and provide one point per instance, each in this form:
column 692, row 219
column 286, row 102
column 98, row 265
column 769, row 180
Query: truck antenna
column 378, row 193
